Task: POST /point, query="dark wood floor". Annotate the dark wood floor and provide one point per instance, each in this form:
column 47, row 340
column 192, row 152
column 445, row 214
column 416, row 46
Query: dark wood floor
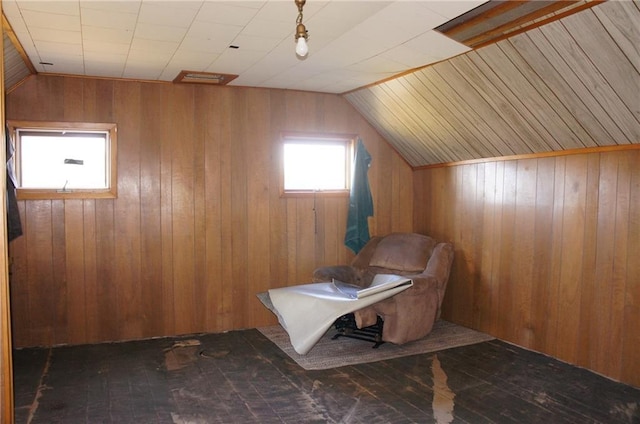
column 241, row 377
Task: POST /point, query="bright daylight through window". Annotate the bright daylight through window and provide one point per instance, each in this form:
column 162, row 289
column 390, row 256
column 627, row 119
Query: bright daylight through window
column 317, row 164
column 64, row 160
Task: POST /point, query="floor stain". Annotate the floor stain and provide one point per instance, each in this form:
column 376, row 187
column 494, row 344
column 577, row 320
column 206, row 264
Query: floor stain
column 178, row 419
column 215, row 354
column 442, row 395
column 181, row 354
column 41, row 386
column 629, row 412
column 350, row 416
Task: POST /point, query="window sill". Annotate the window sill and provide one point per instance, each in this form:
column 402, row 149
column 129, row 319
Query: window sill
column 311, row 193
column 29, row 194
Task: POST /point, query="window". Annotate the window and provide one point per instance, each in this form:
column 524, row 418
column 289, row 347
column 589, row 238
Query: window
column 58, row 160
column 317, row 164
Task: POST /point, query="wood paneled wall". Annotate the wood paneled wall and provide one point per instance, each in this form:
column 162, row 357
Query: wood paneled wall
column 546, row 253
column 6, row 360
column 199, row 226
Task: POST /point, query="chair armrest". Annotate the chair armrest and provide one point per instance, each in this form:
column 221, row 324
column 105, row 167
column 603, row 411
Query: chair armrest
column 422, row 284
column 345, row 273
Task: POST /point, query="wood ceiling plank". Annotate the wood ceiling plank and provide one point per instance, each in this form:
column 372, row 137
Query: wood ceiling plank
column 507, row 140
column 620, row 21
column 436, row 135
column 505, row 99
column 547, row 63
column 485, row 136
column 605, row 54
column 567, row 132
column 434, row 107
column 449, row 110
column 456, row 139
column 367, row 104
column 580, row 63
column 394, row 130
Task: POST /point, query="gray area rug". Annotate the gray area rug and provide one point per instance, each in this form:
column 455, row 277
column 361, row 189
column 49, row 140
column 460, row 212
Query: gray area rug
column 343, row 351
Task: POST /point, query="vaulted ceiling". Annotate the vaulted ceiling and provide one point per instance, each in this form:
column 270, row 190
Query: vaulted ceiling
column 351, row 43
column 572, row 81
column 569, row 84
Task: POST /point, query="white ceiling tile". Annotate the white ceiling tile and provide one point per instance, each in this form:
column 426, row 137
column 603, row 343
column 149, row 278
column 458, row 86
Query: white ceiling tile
column 63, row 61
column 382, row 34
column 153, row 47
column 72, row 68
column 204, row 45
column 217, row 32
column 230, row 14
column 268, row 67
column 261, row 44
column 51, row 7
column 278, row 11
column 348, row 40
column 160, row 32
column 412, row 16
column 105, row 65
column 139, row 58
column 235, row 62
column 271, row 29
column 178, row 14
column 53, row 49
column 347, row 50
column 11, row 10
column 141, row 71
column 409, row 57
column 249, row 4
column 378, row 64
column 109, row 19
column 106, row 48
column 104, row 69
column 452, row 9
column 350, row 12
column 296, row 73
column 155, row 61
column 53, row 21
column 437, row 45
column 120, row 6
column 107, row 35
column 179, row 4
column 104, row 58
column 191, row 60
column 55, row 35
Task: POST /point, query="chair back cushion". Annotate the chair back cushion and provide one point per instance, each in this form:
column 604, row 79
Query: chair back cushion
column 406, row 252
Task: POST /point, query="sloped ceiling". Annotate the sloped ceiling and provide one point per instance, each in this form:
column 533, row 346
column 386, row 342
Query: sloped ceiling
column 569, row 84
column 16, row 68
column 351, row 43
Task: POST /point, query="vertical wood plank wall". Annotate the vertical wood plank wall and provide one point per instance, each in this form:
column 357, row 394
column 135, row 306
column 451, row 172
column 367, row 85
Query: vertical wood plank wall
column 199, row 226
column 546, row 253
column 6, row 360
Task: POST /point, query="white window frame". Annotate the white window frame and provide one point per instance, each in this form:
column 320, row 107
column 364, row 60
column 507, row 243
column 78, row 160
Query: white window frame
column 348, row 140
column 16, row 127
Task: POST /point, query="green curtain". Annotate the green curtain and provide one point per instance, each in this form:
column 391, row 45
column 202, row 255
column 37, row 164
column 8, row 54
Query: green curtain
column 360, row 201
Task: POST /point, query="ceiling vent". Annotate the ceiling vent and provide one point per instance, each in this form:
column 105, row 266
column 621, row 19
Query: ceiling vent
column 210, row 78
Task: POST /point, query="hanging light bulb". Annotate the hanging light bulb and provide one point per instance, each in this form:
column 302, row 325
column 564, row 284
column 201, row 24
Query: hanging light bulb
column 301, row 45
column 301, row 32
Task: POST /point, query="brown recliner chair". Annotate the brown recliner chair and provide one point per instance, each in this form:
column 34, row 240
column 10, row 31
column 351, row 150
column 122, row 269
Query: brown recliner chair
column 409, row 315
